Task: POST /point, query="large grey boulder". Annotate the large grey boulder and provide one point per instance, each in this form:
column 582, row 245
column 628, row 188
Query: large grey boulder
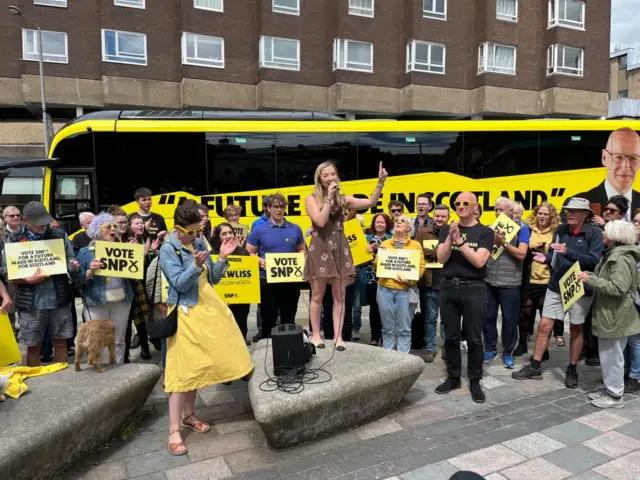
column 367, row 382
column 66, row 415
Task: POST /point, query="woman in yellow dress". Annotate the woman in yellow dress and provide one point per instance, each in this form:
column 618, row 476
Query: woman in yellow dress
column 208, row 347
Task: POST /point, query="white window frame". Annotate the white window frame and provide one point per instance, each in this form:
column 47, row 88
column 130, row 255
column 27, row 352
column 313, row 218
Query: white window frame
column 434, row 14
column 285, row 10
column 411, row 57
column 35, row 54
column 340, row 55
column 51, row 3
column 117, row 32
column 554, row 20
column 195, row 61
column 264, row 63
column 362, row 11
column 130, row 4
column 504, row 18
column 552, row 61
column 221, row 9
column 483, row 63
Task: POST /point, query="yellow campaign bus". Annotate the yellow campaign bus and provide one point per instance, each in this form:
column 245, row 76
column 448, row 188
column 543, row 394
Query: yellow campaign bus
column 220, row 158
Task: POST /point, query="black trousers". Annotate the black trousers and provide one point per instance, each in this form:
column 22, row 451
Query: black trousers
column 374, row 313
column 241, row 313
column 278, row 298
column 466, row 301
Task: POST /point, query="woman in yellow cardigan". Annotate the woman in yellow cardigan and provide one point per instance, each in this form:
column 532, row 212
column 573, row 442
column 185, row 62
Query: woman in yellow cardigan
column 394, row 294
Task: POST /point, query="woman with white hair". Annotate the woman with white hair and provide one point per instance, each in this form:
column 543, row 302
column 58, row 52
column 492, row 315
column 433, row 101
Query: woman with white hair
column 394, row 294
column 105, row 297
column 615, row 318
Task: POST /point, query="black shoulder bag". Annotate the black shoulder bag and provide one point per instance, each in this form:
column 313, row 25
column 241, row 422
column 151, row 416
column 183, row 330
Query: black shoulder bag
column 165, row 327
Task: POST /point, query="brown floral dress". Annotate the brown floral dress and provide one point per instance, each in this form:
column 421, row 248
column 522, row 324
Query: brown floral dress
column 329, row 255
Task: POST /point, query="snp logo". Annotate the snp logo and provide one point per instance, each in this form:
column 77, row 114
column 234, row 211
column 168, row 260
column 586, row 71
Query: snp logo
column 230, row 295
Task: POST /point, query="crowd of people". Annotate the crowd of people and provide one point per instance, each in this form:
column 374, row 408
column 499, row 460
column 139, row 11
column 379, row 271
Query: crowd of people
column 459, row 281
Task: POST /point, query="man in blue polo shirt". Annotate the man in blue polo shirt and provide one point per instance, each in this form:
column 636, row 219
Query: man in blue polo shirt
column 276, row 235
column 264, row 218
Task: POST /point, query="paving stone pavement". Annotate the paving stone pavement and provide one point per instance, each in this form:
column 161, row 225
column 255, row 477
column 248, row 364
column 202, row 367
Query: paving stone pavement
column 525, row 430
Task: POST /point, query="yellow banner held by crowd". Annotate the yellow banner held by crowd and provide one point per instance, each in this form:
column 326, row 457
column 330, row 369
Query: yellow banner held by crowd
column 357, row 242
column 124, row 260
column 23, row 258
column 398, row 261
column 503, row 224
column 284, row 267
column 9, row 350
column 571, row 287
column 431, row 244
column 241, row 281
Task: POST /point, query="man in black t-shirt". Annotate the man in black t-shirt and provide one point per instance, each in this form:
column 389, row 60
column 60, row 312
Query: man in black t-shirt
column 154, row 224
column 464, row 248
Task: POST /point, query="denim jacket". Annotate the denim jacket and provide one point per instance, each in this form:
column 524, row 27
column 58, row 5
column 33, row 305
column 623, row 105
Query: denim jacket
column 181, row 272
column 94, row 290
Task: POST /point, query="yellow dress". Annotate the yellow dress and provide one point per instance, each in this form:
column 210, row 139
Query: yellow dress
column 208, row 347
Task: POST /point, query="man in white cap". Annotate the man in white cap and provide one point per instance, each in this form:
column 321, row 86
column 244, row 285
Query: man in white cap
column 574, row 241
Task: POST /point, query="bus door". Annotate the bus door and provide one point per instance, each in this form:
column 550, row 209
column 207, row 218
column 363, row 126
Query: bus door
column 73, row 191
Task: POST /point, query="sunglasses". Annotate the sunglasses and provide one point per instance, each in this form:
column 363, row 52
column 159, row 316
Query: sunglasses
column 109, row 226
column 190, row 232
column 395, row 210
column 401, row 220
column 611, row 210
column 464, row 203
column 13, row 215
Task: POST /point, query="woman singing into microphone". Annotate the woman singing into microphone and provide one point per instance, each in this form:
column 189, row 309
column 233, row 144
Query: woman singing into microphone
column 329, row 258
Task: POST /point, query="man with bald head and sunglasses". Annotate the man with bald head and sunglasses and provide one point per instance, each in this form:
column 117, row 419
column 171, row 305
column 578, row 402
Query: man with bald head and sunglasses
column 621, row 157
column 464, row 248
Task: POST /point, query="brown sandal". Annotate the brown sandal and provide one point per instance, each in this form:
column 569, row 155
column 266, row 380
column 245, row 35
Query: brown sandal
column 198, row 427
column 173, row 447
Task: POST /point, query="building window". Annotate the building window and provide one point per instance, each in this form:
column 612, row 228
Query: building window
column 202, row 50
column 425, row 57
column 622, row 62
column 364, row 8
column 623, row 94
column 507, row 10
column 565, row 60
column 497, row 58
column 213, row 5
column 566, row 13
column 124, row 47
column 55, row 48
column 434, row 9
column 283, row 53
column 351, row 55
column 292, row 7
column 129, row 3
column 51, row 3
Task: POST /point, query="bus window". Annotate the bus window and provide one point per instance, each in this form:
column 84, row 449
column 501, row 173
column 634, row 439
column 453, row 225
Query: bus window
column 571, row 150
column 72, row 194
column 76, row 151
column 162, row 162
column 72, row 187
column 239, row 162
column 299, row 154
column 500, row 154
column 409, row 153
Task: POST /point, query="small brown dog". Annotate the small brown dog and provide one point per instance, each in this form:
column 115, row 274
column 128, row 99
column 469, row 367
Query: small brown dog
column 92, row 337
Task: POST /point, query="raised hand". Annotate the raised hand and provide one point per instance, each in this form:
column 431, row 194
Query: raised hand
column 382, row 173
column 228, row 246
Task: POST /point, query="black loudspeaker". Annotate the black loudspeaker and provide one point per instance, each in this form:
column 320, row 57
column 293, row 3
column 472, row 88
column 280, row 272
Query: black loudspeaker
column 288, row 348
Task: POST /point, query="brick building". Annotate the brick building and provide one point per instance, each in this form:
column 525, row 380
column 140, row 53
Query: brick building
column 624, row 85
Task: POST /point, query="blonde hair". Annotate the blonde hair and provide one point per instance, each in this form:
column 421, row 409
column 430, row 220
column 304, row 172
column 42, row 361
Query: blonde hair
column 553, row 214
column 407, row 220
column 230, row 209
column 318, row 192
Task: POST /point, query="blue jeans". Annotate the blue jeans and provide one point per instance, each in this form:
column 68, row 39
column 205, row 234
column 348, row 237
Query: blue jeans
column 429, row 309
column 633, row 344
column 163, row 352
column 509, row 301
column 357, row 310
column 396, row 316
